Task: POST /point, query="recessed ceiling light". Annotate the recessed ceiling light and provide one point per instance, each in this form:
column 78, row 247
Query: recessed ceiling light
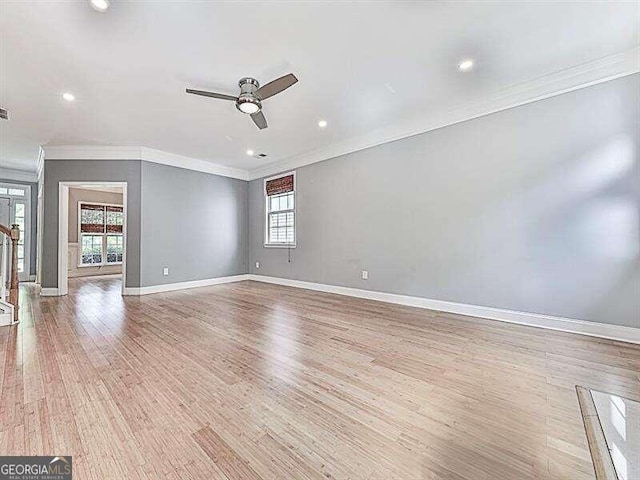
column 69, row 97
column 250, row 152
column 100, row 5
column 465, row 65
column 322, row 123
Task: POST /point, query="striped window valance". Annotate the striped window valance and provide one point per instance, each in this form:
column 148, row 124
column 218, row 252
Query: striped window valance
column 278, row 186
column 101, row 218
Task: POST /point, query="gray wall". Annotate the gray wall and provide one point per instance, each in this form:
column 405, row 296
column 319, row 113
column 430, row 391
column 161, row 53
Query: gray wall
column 193, row 223
column 56, row 171
column 534, row 209
column 33, row 246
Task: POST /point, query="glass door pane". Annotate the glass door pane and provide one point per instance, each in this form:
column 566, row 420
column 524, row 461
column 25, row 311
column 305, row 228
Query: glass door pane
column 19, row 218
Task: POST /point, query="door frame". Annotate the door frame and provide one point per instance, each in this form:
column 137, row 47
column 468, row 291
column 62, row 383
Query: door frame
column 63, row 231
column 25, row 276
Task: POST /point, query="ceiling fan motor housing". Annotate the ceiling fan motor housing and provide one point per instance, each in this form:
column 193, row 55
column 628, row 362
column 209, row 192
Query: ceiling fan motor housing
column 248, row 87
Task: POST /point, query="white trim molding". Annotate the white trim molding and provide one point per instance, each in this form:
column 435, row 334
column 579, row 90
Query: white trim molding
column 170, row 287
column 49, row 292
column 74, row 152
column 9, row 174
column 40, row 164
column 582, row 327
column 563, row 81
column 173, row 160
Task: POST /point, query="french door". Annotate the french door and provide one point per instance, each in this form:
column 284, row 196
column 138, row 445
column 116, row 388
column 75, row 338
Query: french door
column 17, row 200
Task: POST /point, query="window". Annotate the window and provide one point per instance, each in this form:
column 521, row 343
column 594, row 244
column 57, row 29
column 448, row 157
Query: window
column 281, row 213
column 15, row 192
column 100, row 228
column 19, row 219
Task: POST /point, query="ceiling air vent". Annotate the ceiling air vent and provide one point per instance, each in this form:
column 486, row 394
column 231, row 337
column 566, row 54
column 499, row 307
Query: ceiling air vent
column 261, row 155
column 4, row 114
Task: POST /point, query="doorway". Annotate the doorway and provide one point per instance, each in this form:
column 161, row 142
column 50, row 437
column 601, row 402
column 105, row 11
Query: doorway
column 92, row 232
column 15, row 208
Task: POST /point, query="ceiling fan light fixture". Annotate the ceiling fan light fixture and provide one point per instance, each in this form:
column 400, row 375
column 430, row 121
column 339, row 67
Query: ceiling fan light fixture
column 248, row 105
column 251, row 96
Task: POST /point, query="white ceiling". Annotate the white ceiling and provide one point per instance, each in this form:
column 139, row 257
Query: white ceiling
column 362, row 67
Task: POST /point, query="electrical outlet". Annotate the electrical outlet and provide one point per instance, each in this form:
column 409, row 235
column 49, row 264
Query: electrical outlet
column 365, row 275
column 165, row 271
column 257, row 264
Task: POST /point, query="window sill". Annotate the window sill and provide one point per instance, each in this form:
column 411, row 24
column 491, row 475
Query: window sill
column 279, row 245
column 85, row 265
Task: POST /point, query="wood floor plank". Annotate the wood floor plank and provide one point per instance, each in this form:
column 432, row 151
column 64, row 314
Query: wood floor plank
column 258, row 381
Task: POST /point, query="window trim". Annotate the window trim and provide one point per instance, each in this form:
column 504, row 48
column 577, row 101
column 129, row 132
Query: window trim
column 104, row 236
column 268, row 244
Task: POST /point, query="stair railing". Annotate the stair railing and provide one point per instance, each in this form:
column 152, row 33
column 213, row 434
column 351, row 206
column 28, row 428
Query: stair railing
column 13, row 235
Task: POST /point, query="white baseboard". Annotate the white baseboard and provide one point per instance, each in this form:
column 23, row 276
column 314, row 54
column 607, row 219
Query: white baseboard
column 49, row 292
column 169, row 287
column 583, row 327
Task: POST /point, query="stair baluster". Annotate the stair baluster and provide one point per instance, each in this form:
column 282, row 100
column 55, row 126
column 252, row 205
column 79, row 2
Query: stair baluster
column 14, row 235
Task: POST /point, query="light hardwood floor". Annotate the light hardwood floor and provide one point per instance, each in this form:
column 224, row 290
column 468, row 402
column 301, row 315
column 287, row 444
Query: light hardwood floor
column 249, row 380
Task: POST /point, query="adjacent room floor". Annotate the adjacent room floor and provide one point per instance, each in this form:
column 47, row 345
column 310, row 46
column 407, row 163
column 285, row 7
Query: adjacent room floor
column 250, row 380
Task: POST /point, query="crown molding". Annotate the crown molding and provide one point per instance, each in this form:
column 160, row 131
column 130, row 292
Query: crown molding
column 171, row 159
column 91, row 152
column 18, row 175
column 75, row 152
column 574, row 78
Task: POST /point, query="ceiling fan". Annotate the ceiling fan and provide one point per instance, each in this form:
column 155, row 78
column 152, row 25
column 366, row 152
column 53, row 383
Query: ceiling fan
column 252, row 94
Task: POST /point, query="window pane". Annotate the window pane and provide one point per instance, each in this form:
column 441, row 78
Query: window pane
column 281, row 202
column 114, row 218
column 21, row 265
column 16, row 191
column 114, row 248
column 91, row 249
column 92, row 219
column 19, row 209
column 3, row 191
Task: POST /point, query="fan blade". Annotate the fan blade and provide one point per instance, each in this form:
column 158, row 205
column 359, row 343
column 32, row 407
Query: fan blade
column 221, row 96
column 277, row 86
column 259, row 120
